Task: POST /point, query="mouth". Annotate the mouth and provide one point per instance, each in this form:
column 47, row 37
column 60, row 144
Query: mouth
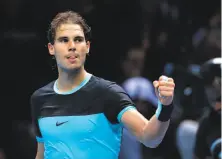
column 72, row 57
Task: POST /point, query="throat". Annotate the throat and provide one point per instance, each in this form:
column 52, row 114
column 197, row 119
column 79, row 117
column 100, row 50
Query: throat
column 68, row 82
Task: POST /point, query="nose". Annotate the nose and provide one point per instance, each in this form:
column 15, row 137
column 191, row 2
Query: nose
column 71, row 46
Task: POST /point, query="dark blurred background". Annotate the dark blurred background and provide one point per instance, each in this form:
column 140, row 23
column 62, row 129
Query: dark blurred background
column 129, row 38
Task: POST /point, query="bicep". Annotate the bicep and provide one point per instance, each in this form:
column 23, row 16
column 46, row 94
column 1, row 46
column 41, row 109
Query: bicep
column 35, row 113
column 150, row 132
column 40, row 151
column 117, row 101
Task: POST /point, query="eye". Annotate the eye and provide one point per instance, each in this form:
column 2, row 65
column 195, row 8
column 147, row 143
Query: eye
column 78, row 39
column 63, row 40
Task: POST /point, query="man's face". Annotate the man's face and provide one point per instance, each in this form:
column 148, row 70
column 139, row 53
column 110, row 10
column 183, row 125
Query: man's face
column 70, row 47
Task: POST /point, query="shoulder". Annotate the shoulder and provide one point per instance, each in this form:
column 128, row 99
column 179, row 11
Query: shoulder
column 113, row 93
column 107, row 85
column 42, row 91
column 38, row 97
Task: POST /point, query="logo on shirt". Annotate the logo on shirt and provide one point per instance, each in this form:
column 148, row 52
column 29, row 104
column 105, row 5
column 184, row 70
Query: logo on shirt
column 60, row 123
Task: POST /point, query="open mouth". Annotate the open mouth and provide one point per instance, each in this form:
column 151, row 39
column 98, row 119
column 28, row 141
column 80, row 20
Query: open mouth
column 72, row 57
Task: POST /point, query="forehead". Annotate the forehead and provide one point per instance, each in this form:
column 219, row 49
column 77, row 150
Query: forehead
column 69, row 30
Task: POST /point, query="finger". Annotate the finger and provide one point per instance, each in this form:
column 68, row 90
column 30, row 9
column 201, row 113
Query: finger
column 170, row 80
column 164, row 88
column 163, row 78
column 166, row 93
column 155, row 84
column 168, row 84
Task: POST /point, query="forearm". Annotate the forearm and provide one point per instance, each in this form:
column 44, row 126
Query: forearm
column 154, row 132
column 149, row 132
column 40, row 151
column 38, row 157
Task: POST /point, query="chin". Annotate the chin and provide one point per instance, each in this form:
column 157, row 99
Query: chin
column 70, row 67
column 73, row 69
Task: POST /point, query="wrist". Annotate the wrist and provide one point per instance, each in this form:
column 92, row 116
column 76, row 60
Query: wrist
column 163, row 112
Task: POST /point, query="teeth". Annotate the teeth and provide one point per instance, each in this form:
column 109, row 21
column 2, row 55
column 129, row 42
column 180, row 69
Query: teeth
column 72, row 56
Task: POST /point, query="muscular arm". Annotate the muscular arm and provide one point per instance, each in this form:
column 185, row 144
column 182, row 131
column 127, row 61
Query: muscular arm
column 40, row 151
column 149, row 132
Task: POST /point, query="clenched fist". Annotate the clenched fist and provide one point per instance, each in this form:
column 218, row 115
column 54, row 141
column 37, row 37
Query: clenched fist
column 164, row 88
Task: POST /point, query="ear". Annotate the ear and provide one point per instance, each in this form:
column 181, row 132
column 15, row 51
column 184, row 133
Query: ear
column 88, row 47
column 51, row 49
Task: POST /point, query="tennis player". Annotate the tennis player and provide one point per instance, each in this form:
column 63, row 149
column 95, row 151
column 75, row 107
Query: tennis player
column 80, row 115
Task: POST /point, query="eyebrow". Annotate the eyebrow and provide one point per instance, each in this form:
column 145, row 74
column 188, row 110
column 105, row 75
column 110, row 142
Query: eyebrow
column 81, row 37
column 65, row 37
column 62, row 37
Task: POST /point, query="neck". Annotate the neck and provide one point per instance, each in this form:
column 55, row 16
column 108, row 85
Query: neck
column 69, row 80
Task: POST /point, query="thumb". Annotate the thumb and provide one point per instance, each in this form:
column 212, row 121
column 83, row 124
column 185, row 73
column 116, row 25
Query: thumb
column 155, row 84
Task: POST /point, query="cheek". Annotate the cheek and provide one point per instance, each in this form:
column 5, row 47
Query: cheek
column 83, row 56
column 83, row 48
column 83, row 51
column 58, row 55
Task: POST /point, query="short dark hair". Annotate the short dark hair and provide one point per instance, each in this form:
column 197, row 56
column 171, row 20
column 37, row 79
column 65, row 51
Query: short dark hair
column 67, row 17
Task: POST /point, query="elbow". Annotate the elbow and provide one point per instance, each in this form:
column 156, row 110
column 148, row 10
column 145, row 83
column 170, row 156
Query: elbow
column 154, row 146
column 153, row 143
column 151, row 146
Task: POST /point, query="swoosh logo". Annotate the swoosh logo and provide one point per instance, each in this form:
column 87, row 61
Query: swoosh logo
column 60, row 123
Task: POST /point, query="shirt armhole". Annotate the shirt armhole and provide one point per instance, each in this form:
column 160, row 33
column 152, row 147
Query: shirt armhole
column 119, row 117
column 39, row 139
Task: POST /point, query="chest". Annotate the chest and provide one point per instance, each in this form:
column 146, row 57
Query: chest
column 72, row 105
column 76, row 128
